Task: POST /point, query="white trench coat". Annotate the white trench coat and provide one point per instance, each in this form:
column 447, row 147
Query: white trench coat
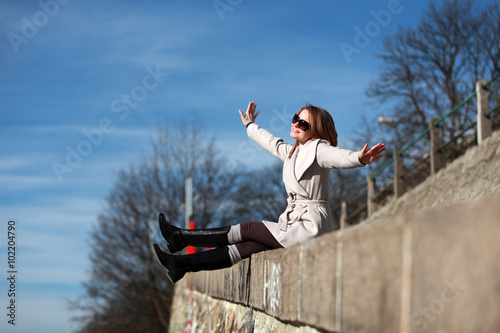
column 306, row 176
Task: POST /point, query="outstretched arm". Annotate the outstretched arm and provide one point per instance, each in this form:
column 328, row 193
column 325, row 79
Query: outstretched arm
column 266, row 140
column 368, row 156
column 250, row 115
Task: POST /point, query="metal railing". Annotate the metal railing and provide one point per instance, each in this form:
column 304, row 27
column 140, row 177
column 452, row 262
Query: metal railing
column 425, row 165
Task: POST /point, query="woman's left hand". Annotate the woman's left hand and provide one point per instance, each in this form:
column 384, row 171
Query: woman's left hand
column 368, row 156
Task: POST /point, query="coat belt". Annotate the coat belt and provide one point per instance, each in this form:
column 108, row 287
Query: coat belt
column 307, row 202
column 292, row 202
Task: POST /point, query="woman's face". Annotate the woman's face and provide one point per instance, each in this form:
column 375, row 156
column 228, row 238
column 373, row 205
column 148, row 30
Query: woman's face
column 297, row 133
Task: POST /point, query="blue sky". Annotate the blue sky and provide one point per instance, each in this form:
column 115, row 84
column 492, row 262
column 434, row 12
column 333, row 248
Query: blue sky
column 114, row 69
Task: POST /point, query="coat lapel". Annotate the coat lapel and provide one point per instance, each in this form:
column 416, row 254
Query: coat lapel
column 295, row 167
column 291, row 183
column 307, row 157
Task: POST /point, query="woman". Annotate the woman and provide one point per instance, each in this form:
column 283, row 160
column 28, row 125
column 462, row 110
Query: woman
column 306, row 174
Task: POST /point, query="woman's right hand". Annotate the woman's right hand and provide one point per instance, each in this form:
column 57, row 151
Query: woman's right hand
column 250, row 115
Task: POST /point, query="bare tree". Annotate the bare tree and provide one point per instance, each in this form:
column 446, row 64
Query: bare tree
column 127, row 291
column 430, row 69
column 189, row 153
column 349, row 186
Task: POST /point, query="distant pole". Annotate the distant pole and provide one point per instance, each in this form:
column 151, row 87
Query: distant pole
column 435, row 154
column 188, row 201
column 343, row 215
column 188, row 222
column 483, row 122
column 150, row 227
column 371, row 204
column 151, row 241
column 399, row 185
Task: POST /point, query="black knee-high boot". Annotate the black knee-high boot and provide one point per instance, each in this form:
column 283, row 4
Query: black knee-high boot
column 177, row 238
column 178, row 265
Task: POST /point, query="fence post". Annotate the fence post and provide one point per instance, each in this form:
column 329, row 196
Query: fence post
column 343, row 214
column 483, row 122
column 435, row 154
column 399, row 185
column 370, row 202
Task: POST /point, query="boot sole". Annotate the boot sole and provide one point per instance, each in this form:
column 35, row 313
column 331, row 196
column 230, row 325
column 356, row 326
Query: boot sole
column 159, row 261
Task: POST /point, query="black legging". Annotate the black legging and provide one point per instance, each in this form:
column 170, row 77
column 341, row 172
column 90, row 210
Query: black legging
column 256, row 238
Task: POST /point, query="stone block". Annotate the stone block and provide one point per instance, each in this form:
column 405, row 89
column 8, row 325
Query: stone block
column 371, row 277
column 282, row 279
column 456, row 268
column 213, row 283
column 180, row 306
column 240, row 282
column 267, row 324
column 224, row 280
column 196, row 281
column 257, row 280
column 318, row 282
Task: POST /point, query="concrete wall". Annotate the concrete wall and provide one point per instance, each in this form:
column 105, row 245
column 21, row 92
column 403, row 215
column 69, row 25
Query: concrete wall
column 427, row 262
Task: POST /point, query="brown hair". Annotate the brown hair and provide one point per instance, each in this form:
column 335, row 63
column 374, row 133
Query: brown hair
column 322, row 126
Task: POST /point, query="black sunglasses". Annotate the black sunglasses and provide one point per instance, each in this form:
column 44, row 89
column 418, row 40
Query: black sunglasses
column 303, row 125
